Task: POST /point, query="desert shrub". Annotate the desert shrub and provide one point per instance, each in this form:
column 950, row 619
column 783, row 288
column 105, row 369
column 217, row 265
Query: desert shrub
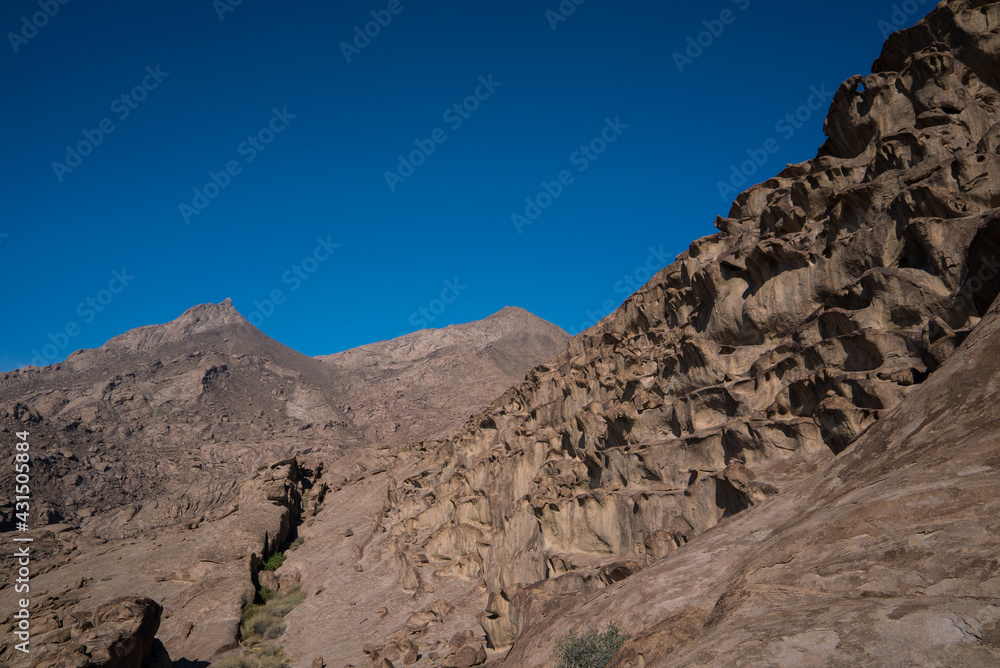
column 296, row 543
column 271, row 662
column 269, row 650
column 261, row 622
column 274, row 562
column 593, row 649
column 260, row 625
column 281, row 605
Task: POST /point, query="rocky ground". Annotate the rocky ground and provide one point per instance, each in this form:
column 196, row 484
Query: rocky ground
column 780, row 451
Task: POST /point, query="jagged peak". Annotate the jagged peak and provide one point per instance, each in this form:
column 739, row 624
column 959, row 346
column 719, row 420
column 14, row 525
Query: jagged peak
column 194, row 321
column 209, row 315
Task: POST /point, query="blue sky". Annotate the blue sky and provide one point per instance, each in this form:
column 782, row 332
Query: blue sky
column 165, row 154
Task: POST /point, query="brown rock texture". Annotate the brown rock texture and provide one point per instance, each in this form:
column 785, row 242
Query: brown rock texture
column 169, row 462
column 887, row 556
column 830, row 294
column 117, row 634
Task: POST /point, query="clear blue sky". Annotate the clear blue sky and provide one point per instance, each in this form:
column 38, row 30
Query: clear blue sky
column 206, row 86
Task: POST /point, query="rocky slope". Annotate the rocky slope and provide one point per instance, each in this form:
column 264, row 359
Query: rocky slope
column 425, row 384
column 830, row 293
column 157, row 426
column 151, row 448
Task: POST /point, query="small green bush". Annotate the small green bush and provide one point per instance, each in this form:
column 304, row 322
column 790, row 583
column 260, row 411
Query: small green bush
column 271, row 662
column 274, row 562
column 269, row 650
column 591, row 650
column 296, row 543
column 261, row 622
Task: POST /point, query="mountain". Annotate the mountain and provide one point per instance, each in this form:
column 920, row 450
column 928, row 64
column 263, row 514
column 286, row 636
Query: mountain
column 171, row 437
column 169, row 417
column 831, row 293
column 425, row 384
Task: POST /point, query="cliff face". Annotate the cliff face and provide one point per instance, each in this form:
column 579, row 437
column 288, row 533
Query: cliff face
column 885, row 557
column 830, row 293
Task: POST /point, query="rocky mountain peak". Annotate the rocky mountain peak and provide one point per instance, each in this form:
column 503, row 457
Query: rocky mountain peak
column 406, row 379
column 196, row 321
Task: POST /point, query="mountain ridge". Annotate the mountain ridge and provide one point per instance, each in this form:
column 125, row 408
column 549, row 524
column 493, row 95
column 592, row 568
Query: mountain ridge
column 152, row 446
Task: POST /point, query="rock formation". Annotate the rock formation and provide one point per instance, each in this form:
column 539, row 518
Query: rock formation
column 425, row 384
column 830, row 293
column 886, row 556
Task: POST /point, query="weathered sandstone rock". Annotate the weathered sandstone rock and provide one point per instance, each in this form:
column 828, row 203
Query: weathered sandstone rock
column 830, row 294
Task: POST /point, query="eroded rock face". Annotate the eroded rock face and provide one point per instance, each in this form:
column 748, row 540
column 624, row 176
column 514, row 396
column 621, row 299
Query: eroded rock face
column 116, row 634
column 156, row 428
column 831, row 292
column 887, row 556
